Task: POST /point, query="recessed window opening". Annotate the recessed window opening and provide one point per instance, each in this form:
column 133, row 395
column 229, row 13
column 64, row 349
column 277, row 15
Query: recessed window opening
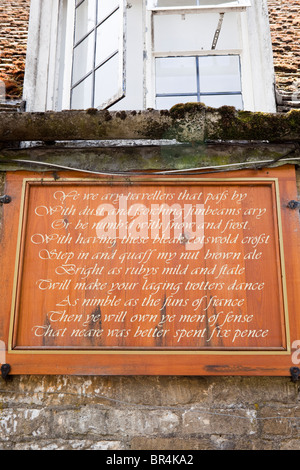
column 107, row 54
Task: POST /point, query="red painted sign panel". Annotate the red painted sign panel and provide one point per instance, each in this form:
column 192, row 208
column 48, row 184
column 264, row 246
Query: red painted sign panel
column 165, row 275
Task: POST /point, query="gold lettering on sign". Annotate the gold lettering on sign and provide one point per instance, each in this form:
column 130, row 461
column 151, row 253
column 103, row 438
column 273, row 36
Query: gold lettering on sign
column 150, row 266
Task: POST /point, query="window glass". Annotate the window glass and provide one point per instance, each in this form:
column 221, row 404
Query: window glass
column 175, row 3
column 176, row 75
column 218, row 2
column 212, row 80
column 106, row 88
column 85, row 19
column 82, row 94
column 107, row 38
column 220, row 73
column 83, row 59
column 105, row 8
column 166, row 102
column 184, row 3
column 195, row 32
column 216, row 101
column 98, row 56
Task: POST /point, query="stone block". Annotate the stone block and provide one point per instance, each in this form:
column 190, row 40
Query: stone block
column 276, row 422
column 61, row 444
column 141, row 423
column 176, row 444
column 24, row 423
column 230, row 421
column 87, row 421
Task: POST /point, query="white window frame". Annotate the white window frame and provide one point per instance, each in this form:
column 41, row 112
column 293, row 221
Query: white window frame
column 151, row 10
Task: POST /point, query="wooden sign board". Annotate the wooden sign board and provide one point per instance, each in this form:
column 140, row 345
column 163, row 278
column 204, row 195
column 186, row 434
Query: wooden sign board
column 150, row 276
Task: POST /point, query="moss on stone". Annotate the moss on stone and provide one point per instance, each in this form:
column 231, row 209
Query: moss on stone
column 181, row 109
column 155, row 129
column 237, row 125
column 226, row 123
column 185, row 122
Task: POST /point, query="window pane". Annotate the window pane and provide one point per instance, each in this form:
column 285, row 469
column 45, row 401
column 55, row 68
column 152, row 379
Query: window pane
column 185, row 3
column 105, row 7
column 82, row 94
column 219, row 73
column 218, row 2
column 107, row 81
column 173, row 33
column 107, row 38
column 176, row 3
column 167, row 102
column 176, row 75
column 216, row 101
column 85, row 19
column 83, row 61
column 195, row 32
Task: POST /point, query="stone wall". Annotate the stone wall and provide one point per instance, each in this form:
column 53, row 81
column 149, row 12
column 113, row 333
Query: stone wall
column 14, row 16
column 285, row 32
column 154, row 413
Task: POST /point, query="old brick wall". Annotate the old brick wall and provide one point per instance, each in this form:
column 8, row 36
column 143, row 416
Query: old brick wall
column 285, row 32
column 14, row 16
